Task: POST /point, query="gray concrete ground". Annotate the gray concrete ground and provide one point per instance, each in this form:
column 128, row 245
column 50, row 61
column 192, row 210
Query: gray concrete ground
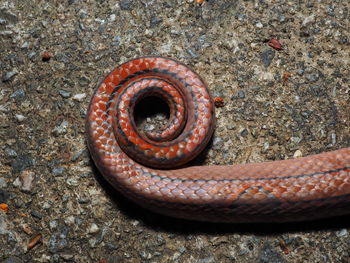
column 278, row 104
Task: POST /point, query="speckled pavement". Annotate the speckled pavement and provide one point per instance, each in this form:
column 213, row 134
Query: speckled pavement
column 278, row 104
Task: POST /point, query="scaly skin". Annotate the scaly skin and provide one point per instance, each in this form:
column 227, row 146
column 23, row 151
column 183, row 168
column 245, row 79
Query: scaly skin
column 306, row 188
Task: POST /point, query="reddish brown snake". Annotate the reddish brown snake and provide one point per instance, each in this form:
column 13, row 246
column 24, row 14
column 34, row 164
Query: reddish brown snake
column 290, row 190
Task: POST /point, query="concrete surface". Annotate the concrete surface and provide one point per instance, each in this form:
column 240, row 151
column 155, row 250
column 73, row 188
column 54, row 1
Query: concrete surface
column 53, row 53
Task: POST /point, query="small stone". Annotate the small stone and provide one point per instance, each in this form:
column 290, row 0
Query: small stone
column 266, row 146
column 208, row 259
column 18, row 94
column 69, row 220
column 9, row 75
column 145, row 255
column 116, row 40
column 17, row 182
column 282, row 18
column 135, row 223
column 32, row 55
column 125, row 4
column 241, row 94
column 269, row 254
column 312, row 77
column 86, row 175
column 300, row 71
column 333, row 138
column 4, row 196
column 3, row 183
column 93, row 228
column 295, row 140
column 53, row 224
column 57, row 171
column 84, row 81
column 10, row 152
column 27, row 178
column 83, row 201
column 92, row 242
column 342, row 232
column 36, row 214
column 297, row 154
column 112, row 18
column 65, row 94
column 217, row 143
column 192, row 53
column 12, row 259
column 155, row 21
column 67, row 256
column 244, row 132
column 259, row 25
column 79, row 97
column 308, row 20
column 77, row 155
column 267, row 56
column 47, row 204
column 58, row 241
column 61, row 129
column 20, row 117
column 21, row 163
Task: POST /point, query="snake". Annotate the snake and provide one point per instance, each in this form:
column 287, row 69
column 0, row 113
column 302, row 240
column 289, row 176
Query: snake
column 151, row 167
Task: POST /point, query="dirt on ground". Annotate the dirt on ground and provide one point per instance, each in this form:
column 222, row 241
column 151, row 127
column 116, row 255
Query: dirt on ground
column 281, row 99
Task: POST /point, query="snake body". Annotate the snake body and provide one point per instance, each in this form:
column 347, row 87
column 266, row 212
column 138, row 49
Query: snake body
column 138, row 164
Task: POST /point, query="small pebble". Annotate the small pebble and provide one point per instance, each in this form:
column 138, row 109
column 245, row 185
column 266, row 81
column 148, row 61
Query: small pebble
column 61, row 129
column 312, row 77
column 217, row 143
column 93, row 228
column 53, row 224
column 27, row 178
column 342, row 232
column 295, row 139
column 56, row 171
column 112, row 18
column 25, row 45
column 32, row 55
column 3, row 183
column 241, row 94
column 58, row 240
column 4, row 196
column 12, row 259
column 244, row 132
column 17, row 182
column 259, row 25
column 36, row 214
column 18, row 94
column 297, row 154
column 10, row 152
column 192, row 53
column 65, row 94
column 21, row 163
column 155, row 21
column 267, row 56
column 9, row 75
column 69, row 220
column 67, row 256
column 125, row 4
column 79, row 97
column 77, row 155
column 308, row 20
column 20, row 117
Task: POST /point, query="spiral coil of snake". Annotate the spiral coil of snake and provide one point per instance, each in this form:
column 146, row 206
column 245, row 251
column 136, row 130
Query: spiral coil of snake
column 149, row 168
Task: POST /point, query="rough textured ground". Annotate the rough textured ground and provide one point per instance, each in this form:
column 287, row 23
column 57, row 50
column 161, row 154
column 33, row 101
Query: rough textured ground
column 278, row 104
